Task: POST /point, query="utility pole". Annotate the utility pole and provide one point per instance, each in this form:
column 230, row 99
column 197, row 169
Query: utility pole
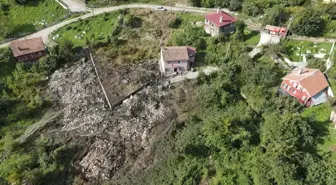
column 289, row 25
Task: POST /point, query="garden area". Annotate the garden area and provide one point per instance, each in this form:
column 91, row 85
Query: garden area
column 295, row 49
column 19, row 19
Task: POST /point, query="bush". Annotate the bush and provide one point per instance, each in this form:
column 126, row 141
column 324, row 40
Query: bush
column 309, row 23
column 68, row 28
column 317, row 64
column 190, row 37
column 251, row 9
column 176, row 23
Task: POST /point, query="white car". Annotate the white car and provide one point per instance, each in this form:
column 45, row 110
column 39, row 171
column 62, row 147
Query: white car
column 160, row 8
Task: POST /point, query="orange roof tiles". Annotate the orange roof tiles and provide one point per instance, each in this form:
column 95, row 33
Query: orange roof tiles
column 313, row 80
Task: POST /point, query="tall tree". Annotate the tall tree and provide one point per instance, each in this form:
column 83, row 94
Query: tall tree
column 308, row 23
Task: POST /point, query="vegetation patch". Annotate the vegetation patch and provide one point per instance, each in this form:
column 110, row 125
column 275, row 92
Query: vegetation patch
column 23, row 18
column 295, row 49
column 252, row 37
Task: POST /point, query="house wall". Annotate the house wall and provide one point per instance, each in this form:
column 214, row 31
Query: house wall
column 180, row 65
column 32, row 56
column 298, row 92
column 162, row 64
column 211, row 28
column 227, row 29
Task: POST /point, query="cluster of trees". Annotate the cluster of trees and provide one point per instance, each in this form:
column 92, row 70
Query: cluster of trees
column 22, row 102
column 240, row 131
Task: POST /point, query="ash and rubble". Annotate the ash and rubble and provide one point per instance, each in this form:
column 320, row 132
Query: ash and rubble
column 118, row 136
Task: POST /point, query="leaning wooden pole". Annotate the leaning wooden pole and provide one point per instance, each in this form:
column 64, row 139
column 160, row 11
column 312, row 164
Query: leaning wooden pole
column 100, row 83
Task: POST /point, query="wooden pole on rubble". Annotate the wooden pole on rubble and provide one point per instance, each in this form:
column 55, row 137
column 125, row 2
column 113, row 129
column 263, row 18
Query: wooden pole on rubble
column 100, row 83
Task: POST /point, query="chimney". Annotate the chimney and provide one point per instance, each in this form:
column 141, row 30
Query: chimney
column 217, row 10
column 300, row 71
column 221, row 19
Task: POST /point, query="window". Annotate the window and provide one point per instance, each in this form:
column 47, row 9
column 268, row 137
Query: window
column 178, row 61
column 288, row 88
column 304, row 98
column 293, row 91
column 285, row 86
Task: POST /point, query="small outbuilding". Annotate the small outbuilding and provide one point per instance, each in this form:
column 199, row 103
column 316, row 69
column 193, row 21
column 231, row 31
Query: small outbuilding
column 28, row 50
column 275, row 30
column 176, row 59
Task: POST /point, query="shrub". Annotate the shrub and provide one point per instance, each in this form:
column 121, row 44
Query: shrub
column 175, row 23
column 68, row 28
column 317, row 64
column 309, row 23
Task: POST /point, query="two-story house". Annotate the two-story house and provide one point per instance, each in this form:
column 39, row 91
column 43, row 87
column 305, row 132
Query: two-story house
column 220, row 22
column 176, row 59
column 309, row 86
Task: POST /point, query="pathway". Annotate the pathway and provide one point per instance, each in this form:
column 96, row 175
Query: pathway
column 192, row 75
column 265, row 39
column 74, row 5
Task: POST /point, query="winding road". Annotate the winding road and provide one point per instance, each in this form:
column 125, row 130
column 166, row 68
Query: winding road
column 97, row 11
column 77, row 6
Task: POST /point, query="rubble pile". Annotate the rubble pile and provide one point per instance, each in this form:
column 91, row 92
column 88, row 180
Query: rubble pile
column 119, row 136
column 77, row 91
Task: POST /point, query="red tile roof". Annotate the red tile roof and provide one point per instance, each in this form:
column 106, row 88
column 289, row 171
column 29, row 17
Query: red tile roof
column 275, row 28
column 216, row 18
column 175, row 53
column 313, row 80
column 27, row 46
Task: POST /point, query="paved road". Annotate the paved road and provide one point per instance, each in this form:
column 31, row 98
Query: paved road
column 75, row 5
column 96, row 11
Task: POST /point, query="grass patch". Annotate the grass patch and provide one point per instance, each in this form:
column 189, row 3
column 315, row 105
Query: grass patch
column 99, row 3
column 101, row 27
column 98, row 27
column 321, row 115
column 266, row 59
column 190, row 18
column 295, row 48
column 24, row 19
column 252, row 38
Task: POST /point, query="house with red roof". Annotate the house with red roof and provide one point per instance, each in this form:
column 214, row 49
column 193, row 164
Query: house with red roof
column 309, row 86
column 220, row 22
column 176, row 59
column 28, row 50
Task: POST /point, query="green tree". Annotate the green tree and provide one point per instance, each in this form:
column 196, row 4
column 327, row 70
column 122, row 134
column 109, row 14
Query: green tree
column 274, row 16
column 190, row 36
column 308, row 23
column 317, row 64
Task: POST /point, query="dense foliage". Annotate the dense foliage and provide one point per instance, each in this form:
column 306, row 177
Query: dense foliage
column 22, row 102
column 240, row 131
